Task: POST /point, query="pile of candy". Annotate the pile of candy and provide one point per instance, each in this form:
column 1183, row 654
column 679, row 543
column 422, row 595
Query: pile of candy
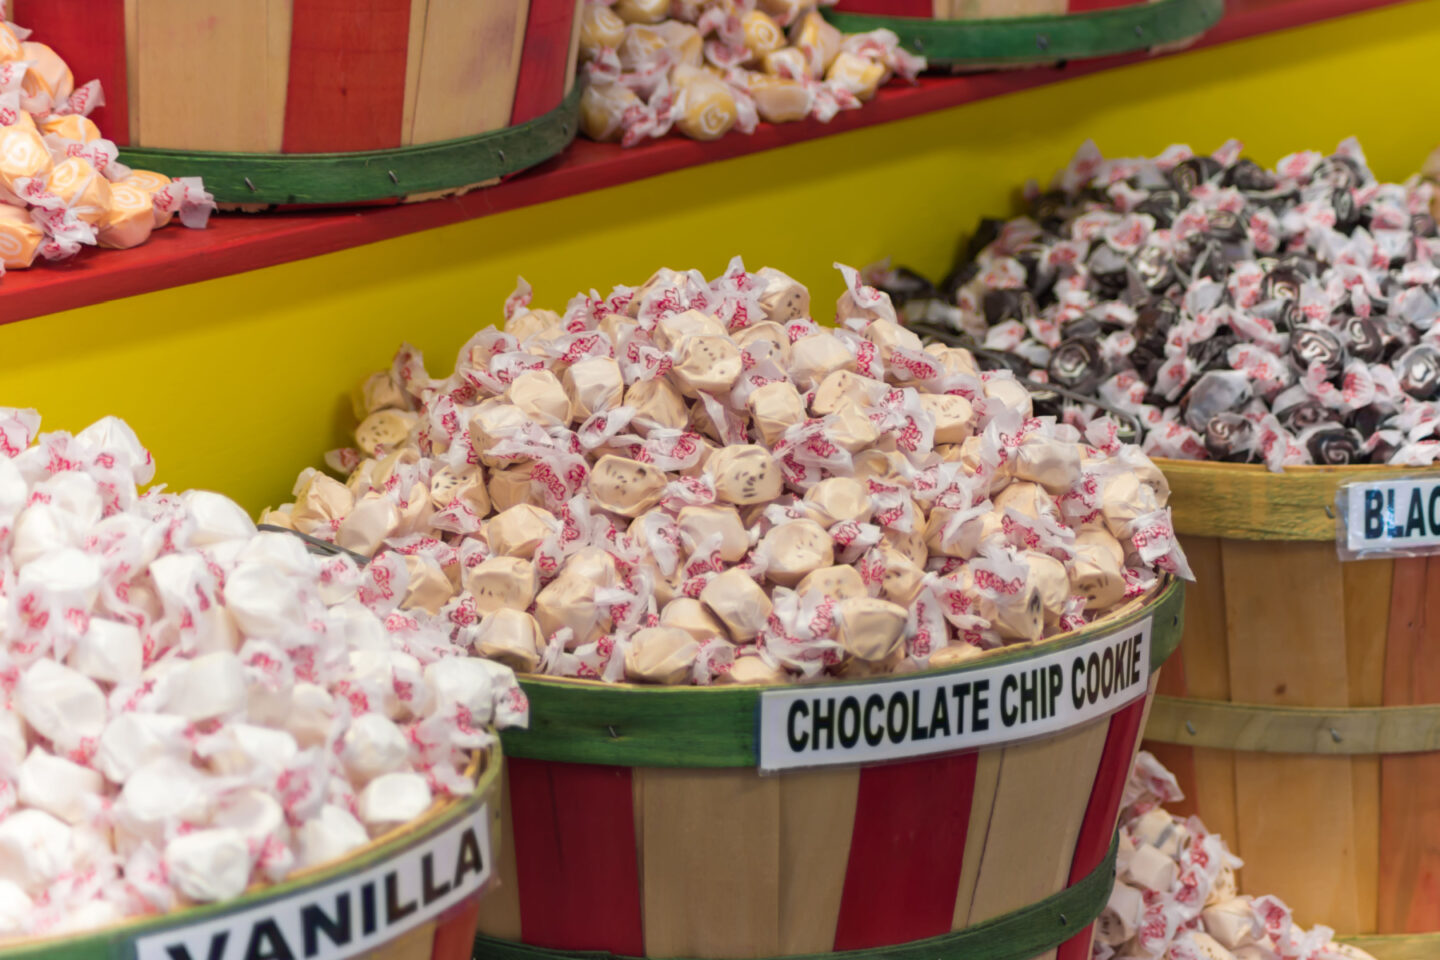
column 723, row 64
column 1285, row 317
column 61, row 187
column 692, row 481
column 190, row 705
column 1175, row 896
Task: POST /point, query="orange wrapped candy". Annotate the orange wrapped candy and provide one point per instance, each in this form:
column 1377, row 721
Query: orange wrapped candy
column 129, row 220
column 22, row 154
column 82, row 188
column 148, row 181
column 10, row 48
column 20, row 238
column 71, row 127
column 48, row 74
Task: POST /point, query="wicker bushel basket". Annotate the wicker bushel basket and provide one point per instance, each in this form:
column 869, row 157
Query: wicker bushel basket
column 1302, row 712
column 642, row 824
column 412, row 894
column 322, row 102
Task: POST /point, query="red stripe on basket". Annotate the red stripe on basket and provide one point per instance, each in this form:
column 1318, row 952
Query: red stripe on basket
column 905, row 851
column 544, row 59
column 455, row 931
column 347, row 75
column 891, row 8
column 576, row 861
column 1098, row 827
column 89, row 35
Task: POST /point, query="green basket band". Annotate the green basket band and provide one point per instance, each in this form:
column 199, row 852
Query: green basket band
column 355, row 177
column 1019, row 935
column 634, row 726
column 1261, row 728
column 1021, row 40
column 1398, row 946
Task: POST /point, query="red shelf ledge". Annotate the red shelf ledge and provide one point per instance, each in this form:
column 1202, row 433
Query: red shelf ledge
column 236, row 243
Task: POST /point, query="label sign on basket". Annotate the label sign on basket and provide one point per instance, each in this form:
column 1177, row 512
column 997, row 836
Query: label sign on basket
column 348, row 916
column 828, row 725
column 1389, row 518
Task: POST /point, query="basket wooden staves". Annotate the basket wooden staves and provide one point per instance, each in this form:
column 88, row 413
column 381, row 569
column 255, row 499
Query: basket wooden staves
column 1302, row 712
column 641, row 822
column 411, row 894
column 320, row 102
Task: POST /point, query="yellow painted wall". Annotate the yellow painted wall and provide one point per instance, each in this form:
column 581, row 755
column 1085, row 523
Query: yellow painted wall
column 237, row 383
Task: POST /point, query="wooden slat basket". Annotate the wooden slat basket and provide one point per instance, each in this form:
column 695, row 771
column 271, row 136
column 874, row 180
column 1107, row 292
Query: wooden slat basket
column 411, row 894
column 983, row 34
column 321, row 101
column 642, row 826
column 1302, row 712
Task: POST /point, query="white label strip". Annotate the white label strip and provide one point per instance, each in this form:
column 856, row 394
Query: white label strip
column 1392, row 515
column 829, row 725
column 348, row 916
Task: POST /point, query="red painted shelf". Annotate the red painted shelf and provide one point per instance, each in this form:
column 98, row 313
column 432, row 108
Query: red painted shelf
column 235, row 243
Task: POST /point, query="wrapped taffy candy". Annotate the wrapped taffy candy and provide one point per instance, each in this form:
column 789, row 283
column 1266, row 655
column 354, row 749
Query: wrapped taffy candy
column 61, row 185
column 721, row 65
column 1230, row 312
column 191, row 705
column 1175, row 897
column 692, row 476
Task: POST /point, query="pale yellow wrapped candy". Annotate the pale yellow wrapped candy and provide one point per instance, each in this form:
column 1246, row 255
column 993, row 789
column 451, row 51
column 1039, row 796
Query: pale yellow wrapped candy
column 788, row 62
column 684, row 42
column 540, row 397
column 694, row 618
column 657, row 404
column 705, row 109
column 955, row 653
column 818, row 40
column 761, row 34
column 602, row 110
column 842, row 583
column 642, row 11
column 384, row 430
column 858, row 74
column 1096, row 571
column 720, row 524
column 640, row 46
column 754, row 670
column 600, row 28
column 512, row 637
column 870, row 629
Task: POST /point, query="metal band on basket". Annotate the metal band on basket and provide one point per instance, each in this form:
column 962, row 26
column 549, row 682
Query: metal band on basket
column 1022, row 40
column 1260, row 728
column 310, row 178
column 1018, row 935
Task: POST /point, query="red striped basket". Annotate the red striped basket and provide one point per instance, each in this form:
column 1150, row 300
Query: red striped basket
column 324, row 101
column 632, row 834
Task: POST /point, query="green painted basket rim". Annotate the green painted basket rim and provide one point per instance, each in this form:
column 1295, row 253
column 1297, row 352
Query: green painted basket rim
column 1018, row 935
column 582, row 721
column 365, row 175
column 1022, row 40
column 108, row 942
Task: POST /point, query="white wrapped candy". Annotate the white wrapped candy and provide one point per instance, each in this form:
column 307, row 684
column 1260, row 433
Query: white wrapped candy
column 393, row 799
column 209, row 865
column 63, row 705
column 34, row 849
column 57, row 786
column 329, row 836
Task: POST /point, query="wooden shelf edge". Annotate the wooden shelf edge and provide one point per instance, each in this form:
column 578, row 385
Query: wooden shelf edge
column 236, row 243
